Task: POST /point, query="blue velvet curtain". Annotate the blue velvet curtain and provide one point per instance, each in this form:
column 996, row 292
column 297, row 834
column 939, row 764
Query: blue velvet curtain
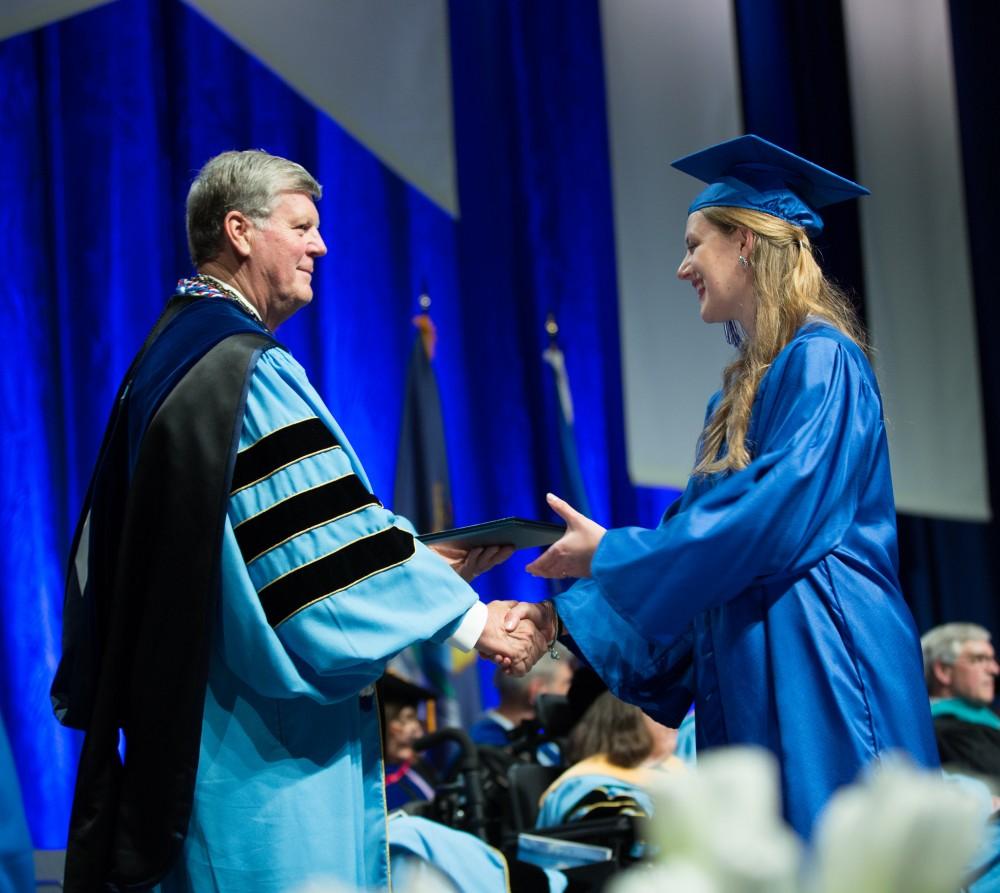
column 106, row 116
column 796, row 92
column 975, row 38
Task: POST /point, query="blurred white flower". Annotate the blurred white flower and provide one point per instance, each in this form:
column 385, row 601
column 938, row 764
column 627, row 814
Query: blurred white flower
column 679, row 875
column 322, row 885
column 901, row 830
column 725, row 818
column 718, row 829
column 414, row 876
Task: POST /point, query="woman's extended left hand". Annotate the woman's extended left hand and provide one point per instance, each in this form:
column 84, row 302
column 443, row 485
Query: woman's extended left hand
column 570, row 556
column 470, row 563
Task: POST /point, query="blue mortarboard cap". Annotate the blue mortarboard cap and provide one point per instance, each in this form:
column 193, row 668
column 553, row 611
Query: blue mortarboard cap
column 750, row 172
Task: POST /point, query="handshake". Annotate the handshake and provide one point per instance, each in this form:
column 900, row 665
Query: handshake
column 516, row 634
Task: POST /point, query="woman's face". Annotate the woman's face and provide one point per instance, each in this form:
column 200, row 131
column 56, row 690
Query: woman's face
column 401, row 732
column 711, row 264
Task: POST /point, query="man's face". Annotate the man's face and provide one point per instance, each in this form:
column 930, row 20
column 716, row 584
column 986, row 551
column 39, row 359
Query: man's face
column 556, row 684
column 972, row 676
column 283, row 255
column 561, row 678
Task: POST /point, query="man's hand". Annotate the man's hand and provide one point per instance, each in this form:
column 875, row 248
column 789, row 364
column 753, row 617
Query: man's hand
column 516, row 650
column 541, row 614
column 470, row 563
column 569, row 556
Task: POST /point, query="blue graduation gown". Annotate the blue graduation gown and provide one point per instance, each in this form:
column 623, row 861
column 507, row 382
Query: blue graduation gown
column 771, row 594
column 290, row 780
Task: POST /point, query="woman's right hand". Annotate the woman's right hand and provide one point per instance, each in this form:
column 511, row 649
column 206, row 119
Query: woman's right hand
column 571, row 555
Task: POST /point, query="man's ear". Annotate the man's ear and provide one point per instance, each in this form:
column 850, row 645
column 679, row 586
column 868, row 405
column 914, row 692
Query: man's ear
column 238, row 231
column 942, row 673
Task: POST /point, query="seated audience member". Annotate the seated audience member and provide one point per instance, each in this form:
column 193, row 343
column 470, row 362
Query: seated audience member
column 408, row 778
column 961, row 668
column 617, row 751
column 518, row 696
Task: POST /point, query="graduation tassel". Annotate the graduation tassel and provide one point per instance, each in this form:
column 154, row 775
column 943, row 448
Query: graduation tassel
column 734, row 332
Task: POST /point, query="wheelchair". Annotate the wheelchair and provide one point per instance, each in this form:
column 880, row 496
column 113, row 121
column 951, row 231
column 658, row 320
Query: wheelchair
column 493, row 794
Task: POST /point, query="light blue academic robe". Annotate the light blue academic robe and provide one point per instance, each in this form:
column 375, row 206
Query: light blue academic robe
column 464, row 862
column 559, row 804
column 771, row 595
column 17, row 867
column 290, row 781
column 982, row 875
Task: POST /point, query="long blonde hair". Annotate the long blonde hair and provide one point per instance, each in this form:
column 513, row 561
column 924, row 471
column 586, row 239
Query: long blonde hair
column 788, row 286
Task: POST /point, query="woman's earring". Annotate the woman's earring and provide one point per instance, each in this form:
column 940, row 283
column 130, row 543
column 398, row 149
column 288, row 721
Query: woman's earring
column 744, row 262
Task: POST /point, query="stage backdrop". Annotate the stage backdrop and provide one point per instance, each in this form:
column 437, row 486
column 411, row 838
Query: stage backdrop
column 105, row 117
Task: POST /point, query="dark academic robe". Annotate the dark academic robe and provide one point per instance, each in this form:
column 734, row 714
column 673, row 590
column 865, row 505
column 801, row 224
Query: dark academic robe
column 968, row 736
column 237, row 589
column 142, row 591
column 771, row 595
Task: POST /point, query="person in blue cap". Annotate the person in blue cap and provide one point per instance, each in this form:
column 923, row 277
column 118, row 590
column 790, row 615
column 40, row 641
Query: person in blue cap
column 769, row 592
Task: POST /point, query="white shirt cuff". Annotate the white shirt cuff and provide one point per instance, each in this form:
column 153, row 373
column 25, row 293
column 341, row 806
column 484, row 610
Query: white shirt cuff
column 470, row 629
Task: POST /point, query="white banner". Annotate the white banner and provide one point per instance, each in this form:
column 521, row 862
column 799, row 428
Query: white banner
column 918, row 281
column 381, row 69
column 18, row 16
column 672, row 87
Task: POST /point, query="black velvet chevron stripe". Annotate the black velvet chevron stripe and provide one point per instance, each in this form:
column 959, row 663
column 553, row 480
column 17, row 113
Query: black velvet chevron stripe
column 280, row 448
column 600, row 803
column 301, row 512
column 334, row 572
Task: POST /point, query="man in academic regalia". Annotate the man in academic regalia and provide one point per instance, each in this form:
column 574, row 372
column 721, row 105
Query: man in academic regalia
column 236, row 588
column 961, row 670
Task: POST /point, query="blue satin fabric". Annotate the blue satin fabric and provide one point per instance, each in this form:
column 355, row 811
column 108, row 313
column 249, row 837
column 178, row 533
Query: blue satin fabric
column 771, row 594
column 779, row 202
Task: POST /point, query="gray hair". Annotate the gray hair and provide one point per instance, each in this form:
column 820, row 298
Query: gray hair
column 515, row 688
column 943, row 644
column 249, row 182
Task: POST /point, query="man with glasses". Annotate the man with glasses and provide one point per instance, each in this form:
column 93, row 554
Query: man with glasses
column 960, row 667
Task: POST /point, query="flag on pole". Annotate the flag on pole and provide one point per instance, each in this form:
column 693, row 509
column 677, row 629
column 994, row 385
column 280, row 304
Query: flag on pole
column 423, row 494
column 573, row 490
column 423, row 486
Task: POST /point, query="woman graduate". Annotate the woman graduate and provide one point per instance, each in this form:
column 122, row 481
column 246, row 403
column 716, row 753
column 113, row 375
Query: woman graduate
column 769, row 591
